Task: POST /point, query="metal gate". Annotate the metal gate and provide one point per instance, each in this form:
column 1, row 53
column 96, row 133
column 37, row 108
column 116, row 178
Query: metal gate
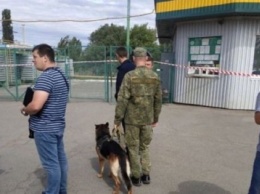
column 94, row 73
column 16, row 72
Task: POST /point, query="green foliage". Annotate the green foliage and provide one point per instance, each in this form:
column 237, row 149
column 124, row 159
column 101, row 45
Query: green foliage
column 102, row 46
column 112, row 35
column 71, row 47
column 108, row 35
column 8, row 36
column 92, row 53
column 142, row 36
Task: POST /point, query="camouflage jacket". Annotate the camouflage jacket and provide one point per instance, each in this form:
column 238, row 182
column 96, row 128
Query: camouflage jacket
column 140, row 98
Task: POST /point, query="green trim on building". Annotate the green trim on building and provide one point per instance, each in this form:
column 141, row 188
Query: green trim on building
column 220, row 10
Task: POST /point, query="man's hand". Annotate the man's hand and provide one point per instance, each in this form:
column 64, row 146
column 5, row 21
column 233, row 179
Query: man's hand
column 116, row 126
column 23, row 111
column 115, row 130
column 154, row 124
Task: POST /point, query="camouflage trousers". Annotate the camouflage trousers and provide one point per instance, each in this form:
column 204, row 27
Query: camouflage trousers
column 138, row 139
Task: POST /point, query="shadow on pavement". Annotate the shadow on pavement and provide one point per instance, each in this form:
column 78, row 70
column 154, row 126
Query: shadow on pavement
column 199, row 187
column 40, row 174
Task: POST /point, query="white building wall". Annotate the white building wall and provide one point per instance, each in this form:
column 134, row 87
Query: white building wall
column 237, row 55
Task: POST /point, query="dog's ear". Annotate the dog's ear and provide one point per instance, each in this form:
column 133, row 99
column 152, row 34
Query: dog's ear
column 107, row 124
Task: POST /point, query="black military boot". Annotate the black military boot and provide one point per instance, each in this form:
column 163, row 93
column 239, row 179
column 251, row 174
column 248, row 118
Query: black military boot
column 136, row 181
column 145, row 179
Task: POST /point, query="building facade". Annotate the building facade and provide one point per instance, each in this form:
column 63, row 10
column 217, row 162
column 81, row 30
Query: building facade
column 216, row 50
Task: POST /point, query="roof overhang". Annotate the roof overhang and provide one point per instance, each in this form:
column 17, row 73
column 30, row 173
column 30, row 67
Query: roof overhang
column 169, row 13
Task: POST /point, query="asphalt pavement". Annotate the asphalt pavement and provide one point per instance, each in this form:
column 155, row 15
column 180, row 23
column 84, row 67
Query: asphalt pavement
column 195, row 150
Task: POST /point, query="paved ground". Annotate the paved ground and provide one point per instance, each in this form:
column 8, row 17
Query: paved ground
column 195, row 150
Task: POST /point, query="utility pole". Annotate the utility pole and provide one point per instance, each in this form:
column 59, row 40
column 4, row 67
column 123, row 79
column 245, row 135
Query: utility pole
column 128, row 27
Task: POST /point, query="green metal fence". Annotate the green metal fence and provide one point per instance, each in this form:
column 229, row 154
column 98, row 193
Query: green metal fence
column 13, row 75
column 91, row 71
column 17, row 71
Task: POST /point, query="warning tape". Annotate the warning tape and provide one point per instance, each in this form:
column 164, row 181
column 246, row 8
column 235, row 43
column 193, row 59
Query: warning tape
column 219, row 71
column 58, row 62
column 15, row 65
column 102, row 61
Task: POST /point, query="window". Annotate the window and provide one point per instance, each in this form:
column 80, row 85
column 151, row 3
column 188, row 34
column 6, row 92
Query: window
column 256, row 65
column 204, row 56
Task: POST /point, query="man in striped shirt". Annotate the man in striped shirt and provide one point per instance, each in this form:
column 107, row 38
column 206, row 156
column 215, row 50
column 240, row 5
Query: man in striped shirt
column 47, row 118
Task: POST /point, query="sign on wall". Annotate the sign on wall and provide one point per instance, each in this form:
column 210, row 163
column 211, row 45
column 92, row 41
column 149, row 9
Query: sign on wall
column 204, row 56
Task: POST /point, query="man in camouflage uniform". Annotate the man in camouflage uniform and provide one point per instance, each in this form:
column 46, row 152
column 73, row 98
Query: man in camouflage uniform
column 139, row 104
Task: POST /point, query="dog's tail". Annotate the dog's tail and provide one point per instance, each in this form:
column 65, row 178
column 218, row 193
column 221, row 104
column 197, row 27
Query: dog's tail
column 125, row 170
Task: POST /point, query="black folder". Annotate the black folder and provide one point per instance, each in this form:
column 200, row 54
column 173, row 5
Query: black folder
column 28, row 96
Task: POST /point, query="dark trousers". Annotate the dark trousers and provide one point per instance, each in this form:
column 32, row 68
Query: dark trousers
column 255, row 181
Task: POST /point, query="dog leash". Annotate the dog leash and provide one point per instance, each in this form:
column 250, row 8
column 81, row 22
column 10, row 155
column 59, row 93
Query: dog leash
column 118, row 136
column 116, row 132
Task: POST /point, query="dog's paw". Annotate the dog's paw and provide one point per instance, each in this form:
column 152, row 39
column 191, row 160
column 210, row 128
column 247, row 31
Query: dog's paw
column 99, row 175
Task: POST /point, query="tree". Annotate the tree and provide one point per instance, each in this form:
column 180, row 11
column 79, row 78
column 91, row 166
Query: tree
column 108, row 35
column 105, row 40
column 142, row 36
column 113, row 35
column 8, row 36
column 92, row 53
column 145, row 37
column 70, row 47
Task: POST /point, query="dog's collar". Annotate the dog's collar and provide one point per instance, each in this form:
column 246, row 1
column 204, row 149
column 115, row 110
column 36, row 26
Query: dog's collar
column 102, row 140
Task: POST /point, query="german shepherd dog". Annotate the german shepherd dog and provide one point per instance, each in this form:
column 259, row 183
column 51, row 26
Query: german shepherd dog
column 108, row 149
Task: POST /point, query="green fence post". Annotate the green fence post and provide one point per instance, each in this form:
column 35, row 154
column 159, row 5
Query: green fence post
column 112, row 51
column 6, row 68
column 67, row 74
column 16, row 68
column 171, row 85
column 106, row 77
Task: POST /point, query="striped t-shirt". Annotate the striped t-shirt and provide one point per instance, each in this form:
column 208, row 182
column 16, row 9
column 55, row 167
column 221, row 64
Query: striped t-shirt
column 52, row 117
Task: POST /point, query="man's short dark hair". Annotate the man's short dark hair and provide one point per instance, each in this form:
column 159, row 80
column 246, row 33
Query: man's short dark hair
column 121, row 52
column 149, row 58
column 45, row 49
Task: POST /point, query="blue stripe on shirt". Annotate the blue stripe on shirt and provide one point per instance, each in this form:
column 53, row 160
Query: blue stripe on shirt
column 52, row 118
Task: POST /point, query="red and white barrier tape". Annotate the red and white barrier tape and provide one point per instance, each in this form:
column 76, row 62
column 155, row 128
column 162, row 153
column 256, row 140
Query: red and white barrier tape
column 101, row 61
column 59, row 62
column 16, row 65
column 219, row 71
column 224, row 72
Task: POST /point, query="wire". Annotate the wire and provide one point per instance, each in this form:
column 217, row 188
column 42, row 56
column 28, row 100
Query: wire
column 83, row 20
